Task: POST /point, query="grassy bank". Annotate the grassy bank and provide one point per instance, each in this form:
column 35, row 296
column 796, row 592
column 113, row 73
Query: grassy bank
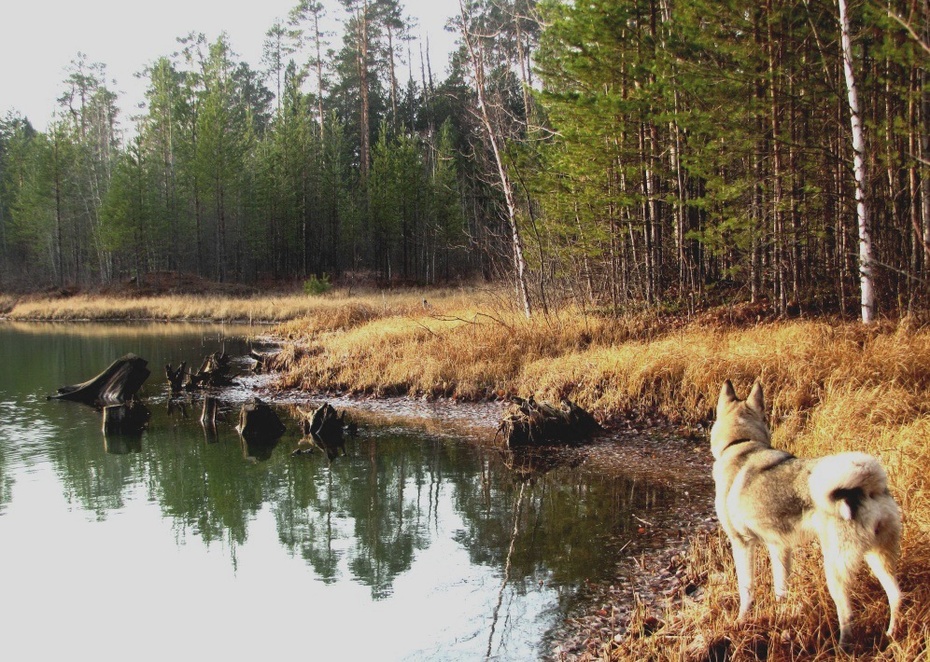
column 219, row 307
column 830, row 386
column 175, row 307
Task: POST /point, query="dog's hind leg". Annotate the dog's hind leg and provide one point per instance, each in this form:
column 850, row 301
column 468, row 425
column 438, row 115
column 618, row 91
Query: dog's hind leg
column 781, row 569
column 882, row 566
column 838, row 583
column 743, row 560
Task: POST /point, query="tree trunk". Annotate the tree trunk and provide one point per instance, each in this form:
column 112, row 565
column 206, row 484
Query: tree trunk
column 477, row 59
column 393, row 75
column 777, row 190
column 866, row 276
column 319, row 74
column 58, row 215
column 364, row 128
column 258, row 422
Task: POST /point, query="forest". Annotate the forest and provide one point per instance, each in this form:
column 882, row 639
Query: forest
column 618, row 154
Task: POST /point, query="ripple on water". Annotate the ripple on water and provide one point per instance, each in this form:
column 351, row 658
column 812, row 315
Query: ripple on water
column 25, row 433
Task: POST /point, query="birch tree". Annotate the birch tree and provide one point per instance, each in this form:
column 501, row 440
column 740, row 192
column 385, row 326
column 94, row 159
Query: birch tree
column 866, row 269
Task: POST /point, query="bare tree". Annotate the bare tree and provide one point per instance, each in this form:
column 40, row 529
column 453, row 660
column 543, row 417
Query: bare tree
column 476, row 55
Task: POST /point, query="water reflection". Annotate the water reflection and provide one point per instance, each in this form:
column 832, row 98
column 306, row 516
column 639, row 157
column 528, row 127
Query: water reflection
column 427, row 525
column 125, row 420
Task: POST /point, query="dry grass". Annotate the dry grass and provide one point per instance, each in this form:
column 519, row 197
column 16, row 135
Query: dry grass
column 830, row 387
column 7, row 303
column 337, row 309
column 174, row 307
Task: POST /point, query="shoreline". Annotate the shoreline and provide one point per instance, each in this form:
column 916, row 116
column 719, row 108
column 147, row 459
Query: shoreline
column 640, row 587
column 832, row 385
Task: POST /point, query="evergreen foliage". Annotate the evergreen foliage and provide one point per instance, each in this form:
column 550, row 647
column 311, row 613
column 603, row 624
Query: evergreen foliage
column 656, row 153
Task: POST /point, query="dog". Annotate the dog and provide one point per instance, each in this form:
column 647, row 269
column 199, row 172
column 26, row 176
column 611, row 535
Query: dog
column 768, row 497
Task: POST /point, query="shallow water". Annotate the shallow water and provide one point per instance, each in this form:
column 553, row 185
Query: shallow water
column 415, row 545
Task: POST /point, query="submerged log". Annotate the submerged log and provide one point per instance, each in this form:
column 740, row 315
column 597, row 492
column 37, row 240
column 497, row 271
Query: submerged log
column 115, row 385
column 258, row 422
column 531, row 423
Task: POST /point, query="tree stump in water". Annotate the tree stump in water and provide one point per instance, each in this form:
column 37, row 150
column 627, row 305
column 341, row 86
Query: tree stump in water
column 530, row 423
column 258, row 422
column 214, row 371
column 323, row 429
column 125, row 419
column 115, row 385
column 176, row 377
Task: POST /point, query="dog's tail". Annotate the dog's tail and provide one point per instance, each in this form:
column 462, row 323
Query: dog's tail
column 844, row 484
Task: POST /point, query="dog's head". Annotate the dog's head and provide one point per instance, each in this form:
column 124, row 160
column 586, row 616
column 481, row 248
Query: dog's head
column 738, row 420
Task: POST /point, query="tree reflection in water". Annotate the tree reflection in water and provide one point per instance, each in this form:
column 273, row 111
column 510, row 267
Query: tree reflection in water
column 399, row 504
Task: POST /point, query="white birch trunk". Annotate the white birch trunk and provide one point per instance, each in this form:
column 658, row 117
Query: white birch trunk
column 866, row 274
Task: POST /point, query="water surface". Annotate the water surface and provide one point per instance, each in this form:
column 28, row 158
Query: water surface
column 191, row 544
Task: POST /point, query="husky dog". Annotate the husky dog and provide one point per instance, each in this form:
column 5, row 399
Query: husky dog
column 769, row 497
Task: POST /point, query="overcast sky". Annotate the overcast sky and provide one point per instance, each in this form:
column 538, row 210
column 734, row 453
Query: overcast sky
column 40, row 38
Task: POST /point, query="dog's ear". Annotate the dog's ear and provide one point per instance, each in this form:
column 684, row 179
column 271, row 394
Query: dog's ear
column 727, row 395
column 756, row 400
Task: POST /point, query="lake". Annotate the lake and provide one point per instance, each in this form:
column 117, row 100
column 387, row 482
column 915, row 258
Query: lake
column 416, row 545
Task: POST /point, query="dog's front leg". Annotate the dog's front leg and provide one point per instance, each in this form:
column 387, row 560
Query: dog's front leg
column 781, row 569
column 743, row 560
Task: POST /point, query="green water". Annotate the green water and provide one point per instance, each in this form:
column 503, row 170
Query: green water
column 185, row 545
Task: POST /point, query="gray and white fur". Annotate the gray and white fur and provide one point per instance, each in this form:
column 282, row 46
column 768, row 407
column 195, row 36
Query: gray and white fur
column 771, row 498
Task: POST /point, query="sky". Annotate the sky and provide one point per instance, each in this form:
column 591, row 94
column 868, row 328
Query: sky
column 40, row 38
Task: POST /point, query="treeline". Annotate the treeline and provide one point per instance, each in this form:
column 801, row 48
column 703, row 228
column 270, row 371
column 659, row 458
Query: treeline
column 706, row 144
column 621, row 152
column 250, row 174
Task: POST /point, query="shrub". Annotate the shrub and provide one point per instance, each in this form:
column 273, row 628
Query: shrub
column 314, row 286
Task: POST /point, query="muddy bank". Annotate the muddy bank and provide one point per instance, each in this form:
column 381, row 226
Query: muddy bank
column 645, row 584
column 649, row 575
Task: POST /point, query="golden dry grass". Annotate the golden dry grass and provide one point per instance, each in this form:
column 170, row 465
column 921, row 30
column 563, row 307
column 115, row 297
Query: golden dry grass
column 174, row 307
column 830, row 386
column 336, row 308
